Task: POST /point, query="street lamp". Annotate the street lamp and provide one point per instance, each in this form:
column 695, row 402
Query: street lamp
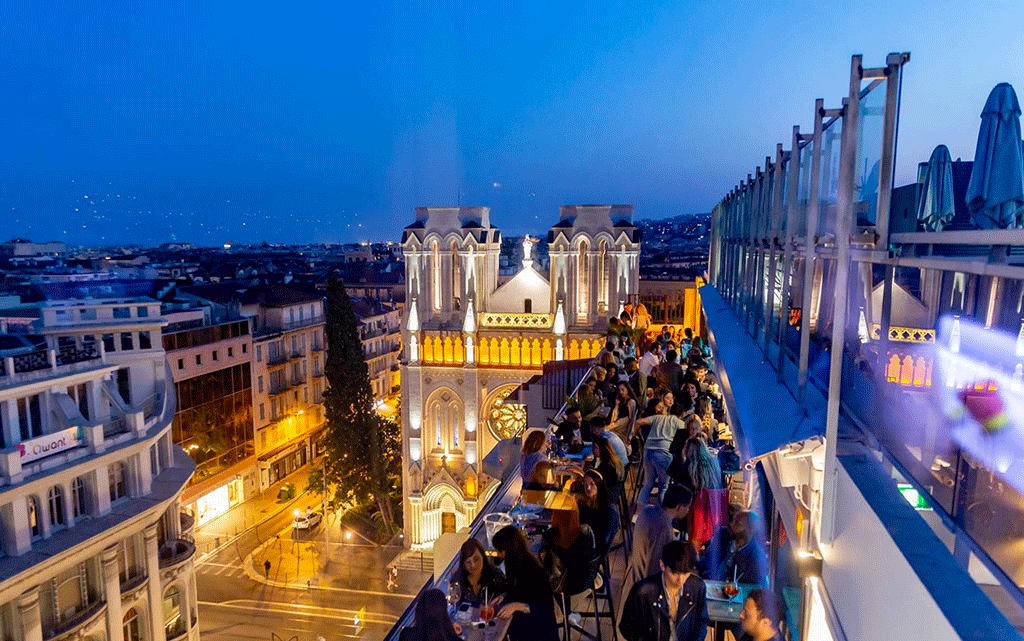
column 348, row 535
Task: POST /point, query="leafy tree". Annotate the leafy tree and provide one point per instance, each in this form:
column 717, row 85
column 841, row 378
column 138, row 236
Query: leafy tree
column 361, row 449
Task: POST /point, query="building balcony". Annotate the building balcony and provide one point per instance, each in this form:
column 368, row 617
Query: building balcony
column 277, row 359
column 76, row 623
column 49, row 360
column 187, row 524
column 176, row 552
column 133, row 584
column 277, row 328
column 317, row 348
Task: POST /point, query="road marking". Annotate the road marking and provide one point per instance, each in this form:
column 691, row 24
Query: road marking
column 318, row 611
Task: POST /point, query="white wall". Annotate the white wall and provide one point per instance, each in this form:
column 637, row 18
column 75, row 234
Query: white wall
column 875, row 592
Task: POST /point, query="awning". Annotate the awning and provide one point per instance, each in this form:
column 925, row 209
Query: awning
column 763, row 413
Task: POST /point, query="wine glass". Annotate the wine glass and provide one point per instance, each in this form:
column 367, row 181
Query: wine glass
column 454, row 596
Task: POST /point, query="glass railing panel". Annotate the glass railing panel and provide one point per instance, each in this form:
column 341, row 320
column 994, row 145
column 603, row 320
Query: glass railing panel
column 871, row 119
column 828, row 190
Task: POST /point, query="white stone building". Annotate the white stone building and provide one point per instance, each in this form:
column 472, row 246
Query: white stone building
column 93, row 542
column 469, row 342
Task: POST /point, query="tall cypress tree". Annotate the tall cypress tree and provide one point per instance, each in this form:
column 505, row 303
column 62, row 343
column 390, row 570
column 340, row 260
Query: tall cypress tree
column 361, row 449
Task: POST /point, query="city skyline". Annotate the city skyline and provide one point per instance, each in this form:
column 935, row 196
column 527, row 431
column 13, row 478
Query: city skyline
column 148, row 125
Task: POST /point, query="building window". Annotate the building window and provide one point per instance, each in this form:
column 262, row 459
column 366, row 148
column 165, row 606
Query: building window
column 131, row 626
column 126, row 342
column 144, row 341
column 108, row 342
column 34, row 518
column 527, row 306
column 154, row 461
column 79, row 498
column 259, row 384
column 117, row 477
column 30, row 418
column 263, row 414
column 215, row 356
column 122, row 312
column 55, row 498
column 142, row 312
column 199, row 359
column 174, row 625
column 259, row 353
column 245, row 349
column 181, row 363
column 231, row 352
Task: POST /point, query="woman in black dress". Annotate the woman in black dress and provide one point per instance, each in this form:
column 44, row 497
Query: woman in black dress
column 528, row 600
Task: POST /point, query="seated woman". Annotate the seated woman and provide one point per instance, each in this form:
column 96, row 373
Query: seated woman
column 567, row 549
column 534, row 446
column 598, row 511
column 610, row 466
column 528, row 600
column 432, row 621
column 542, row 479
column 477, row 574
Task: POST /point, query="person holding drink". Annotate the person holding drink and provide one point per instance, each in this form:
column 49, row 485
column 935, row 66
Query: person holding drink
column 528, row 600
column 477, row 576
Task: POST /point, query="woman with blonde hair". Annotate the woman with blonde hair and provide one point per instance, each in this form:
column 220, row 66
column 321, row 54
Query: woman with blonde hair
column 641, row 319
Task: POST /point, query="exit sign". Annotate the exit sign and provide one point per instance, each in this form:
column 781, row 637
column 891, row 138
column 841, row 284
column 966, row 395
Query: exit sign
column 915, row 498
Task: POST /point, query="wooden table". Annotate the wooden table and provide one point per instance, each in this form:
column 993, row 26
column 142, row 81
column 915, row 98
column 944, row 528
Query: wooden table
column 551, row 500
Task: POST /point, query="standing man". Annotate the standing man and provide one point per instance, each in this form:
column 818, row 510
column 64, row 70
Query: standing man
column 652, row 531
column 650, row 360
column 637, row 380
column 671, row 605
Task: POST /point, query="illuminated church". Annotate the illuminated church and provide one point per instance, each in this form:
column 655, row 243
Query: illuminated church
column 470, row 341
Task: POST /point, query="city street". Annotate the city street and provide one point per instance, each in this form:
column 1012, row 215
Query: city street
column 238, row 601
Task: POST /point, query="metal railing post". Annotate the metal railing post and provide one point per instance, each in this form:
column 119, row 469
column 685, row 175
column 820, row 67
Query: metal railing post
column 795, row 163
column 844, row 227
column 810, row 251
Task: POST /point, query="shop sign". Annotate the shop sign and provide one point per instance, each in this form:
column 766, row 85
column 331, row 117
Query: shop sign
column 50, row 444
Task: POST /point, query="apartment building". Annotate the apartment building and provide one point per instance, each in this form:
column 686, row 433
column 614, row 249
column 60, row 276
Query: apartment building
column 93, row 542
column 289, row 346
column 381, row 334
column 211, row 366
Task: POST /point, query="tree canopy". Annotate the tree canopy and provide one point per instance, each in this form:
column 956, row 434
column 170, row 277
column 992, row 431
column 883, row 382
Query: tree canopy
column 361, row 449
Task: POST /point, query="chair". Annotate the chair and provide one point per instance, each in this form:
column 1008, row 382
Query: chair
column 577, row 583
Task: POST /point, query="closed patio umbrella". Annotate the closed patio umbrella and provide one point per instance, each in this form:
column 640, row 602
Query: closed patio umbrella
column 995, row 194
column 935, row 209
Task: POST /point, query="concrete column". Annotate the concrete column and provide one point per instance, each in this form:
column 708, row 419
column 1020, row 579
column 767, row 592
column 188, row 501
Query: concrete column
column 12, row 433
column 144, row 472
column 69, row 508
column 154, row 589
column 99, row 490
column 174, row 519
column 16, row 533
column 112, row 593
column 28, row 612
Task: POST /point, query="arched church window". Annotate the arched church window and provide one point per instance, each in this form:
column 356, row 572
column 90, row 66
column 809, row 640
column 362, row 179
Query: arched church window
column 582, row 282
column 435, row 277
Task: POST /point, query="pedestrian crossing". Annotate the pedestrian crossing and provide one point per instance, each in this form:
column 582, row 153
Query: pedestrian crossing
column 223, row 570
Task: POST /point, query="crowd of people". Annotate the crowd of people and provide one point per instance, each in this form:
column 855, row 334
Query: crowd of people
column 659, row 414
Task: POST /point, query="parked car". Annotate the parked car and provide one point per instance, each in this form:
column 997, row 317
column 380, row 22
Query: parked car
column 305, row 521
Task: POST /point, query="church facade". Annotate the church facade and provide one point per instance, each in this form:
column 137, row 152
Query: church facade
column 470, row 342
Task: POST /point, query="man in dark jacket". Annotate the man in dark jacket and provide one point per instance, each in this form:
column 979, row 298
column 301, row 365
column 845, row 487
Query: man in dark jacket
column 669, row 606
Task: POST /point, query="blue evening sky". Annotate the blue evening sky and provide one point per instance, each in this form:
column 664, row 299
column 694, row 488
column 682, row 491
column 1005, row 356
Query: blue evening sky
column 329, row 122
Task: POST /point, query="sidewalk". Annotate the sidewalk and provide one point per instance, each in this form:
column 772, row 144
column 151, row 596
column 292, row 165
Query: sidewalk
column 246, row 514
